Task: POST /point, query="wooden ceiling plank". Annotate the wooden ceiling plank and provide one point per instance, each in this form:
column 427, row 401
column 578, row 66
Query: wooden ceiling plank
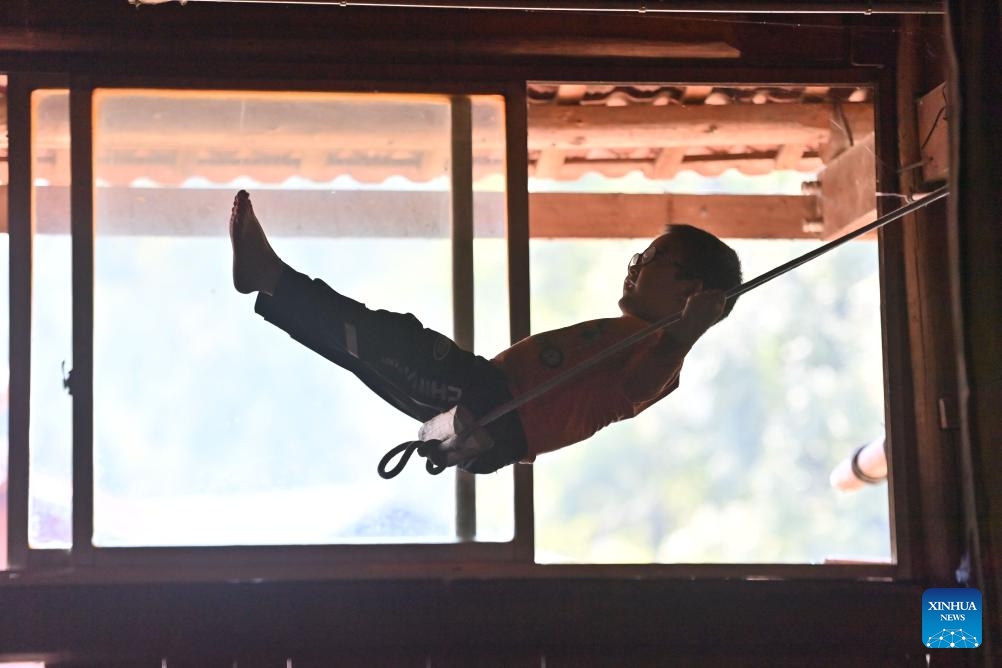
column 614, row 215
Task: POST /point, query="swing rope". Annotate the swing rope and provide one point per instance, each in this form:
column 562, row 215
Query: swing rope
column 517, row 402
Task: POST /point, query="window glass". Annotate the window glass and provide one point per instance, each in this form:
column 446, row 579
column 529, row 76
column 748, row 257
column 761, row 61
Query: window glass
column 50, row 441
column 212, row 427
column 734, row 465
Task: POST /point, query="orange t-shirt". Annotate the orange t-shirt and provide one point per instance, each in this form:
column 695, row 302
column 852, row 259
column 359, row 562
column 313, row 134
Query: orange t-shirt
column 572, row 412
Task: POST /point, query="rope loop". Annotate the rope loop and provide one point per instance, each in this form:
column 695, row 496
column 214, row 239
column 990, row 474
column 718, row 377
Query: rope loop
column 425, row 449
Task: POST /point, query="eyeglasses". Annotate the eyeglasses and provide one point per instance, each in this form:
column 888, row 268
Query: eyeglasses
column 648, row 256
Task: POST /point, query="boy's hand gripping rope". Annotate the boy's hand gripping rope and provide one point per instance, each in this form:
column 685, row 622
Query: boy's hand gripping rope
column 444, row 452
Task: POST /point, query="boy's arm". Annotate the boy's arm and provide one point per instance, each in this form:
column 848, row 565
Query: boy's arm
column 650, row 376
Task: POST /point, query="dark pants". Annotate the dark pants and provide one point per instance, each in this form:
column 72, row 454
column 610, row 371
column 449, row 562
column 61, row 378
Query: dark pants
column 417, row 370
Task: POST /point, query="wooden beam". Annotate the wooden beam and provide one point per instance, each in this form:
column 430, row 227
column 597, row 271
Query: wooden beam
column 705, row 125
column 588, row 215
column 361, row 213
column 397, row 48
column 849, row 190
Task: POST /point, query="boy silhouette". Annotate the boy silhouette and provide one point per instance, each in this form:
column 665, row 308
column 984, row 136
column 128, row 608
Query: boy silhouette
column 424, row 373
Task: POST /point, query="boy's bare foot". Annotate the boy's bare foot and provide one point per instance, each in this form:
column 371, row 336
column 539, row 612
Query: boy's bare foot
column 256, row 266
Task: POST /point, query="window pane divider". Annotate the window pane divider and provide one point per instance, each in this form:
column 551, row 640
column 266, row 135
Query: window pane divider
column 82, row 386
column 517, row 234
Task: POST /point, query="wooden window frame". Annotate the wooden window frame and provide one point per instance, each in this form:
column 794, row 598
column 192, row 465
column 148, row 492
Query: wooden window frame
column 491, row 560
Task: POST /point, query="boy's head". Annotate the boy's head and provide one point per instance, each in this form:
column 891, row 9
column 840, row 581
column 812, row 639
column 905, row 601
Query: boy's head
column 681, row 262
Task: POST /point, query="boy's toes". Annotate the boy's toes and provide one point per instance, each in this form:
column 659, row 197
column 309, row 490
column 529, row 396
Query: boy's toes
column 241, row 200
column 242, row 273
column 240, row 204
column 235, row 213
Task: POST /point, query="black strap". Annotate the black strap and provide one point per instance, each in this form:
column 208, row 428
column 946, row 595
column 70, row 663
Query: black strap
column 426, row 449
